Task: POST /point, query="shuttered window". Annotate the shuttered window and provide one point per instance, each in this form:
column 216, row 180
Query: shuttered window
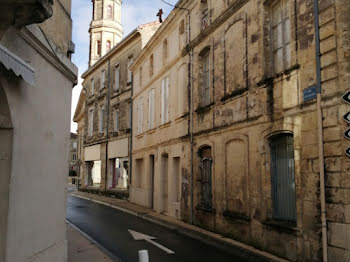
column 101, row 120
column 139, row 116
column 206, row 177
column 280, row 27
column 116, row 121
column 91, row 122
column 165, row 101
column 151, row 109
column 282, row 177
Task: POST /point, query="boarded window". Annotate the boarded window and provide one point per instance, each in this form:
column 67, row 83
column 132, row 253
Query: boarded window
column 165, row 101
column 204, row 76
column 280, row 26
column 235, row 50
column 236, row 162
column 282, row 177
column 206, row 177
column 139, row 116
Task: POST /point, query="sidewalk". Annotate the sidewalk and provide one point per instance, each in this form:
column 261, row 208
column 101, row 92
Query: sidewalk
column 80, row 249
column 172, row 223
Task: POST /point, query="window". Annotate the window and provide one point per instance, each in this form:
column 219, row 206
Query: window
column 92, row 86
column 117, row 78
column 165, row 50
column 206, row 177
column 108, row 46
column 74, row 157
column 101, row 120
column 109, row 12
column 151, row 109
column 204, row 77
column 130, row 61
column 139, row 116
column 282, row 177
column 140, row 77
column 103, row 79
column 74, row 145
column 116, row 120
column 205, row 14
column 151, row 65
column 91, row 122
column 182, row 36
column 164, row 101
column 98, row 48
column 280, row 27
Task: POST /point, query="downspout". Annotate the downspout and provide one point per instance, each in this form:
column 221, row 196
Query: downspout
column 131, row 134
column 108, row 110
column 320, row 134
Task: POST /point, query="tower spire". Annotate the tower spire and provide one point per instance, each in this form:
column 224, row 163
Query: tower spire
column 105, row 29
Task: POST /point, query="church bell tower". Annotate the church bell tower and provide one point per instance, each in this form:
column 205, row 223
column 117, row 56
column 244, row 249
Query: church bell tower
column 105, row 29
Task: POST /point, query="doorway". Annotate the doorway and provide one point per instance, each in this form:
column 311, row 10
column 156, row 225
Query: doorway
column 151, row 179
column 164, row 183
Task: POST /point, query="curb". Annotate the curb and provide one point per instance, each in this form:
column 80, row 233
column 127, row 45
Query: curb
column 97, row 244
column 218, row 241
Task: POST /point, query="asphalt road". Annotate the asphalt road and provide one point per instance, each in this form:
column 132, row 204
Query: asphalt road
column 109, row 227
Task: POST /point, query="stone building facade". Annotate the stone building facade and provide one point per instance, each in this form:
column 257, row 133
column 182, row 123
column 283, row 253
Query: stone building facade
column 104, row 115
column 160, row 147
column 73, row 154
column 36, row 81
column 251, row 148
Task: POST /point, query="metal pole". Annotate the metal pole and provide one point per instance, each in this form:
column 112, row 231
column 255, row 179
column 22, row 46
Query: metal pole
column 320, row 134
column 107, row 127
column 143, row 256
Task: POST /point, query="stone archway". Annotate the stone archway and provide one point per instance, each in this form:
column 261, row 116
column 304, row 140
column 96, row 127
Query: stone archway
column 6, row 133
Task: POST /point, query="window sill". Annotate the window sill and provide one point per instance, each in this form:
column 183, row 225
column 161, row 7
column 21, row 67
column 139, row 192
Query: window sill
column 204, row 109
column 287, row 72
column 234, row 93
column 280, row 225
column 165, row 125
column 185, row 115
column 151, row 131
column 205, row 209
column 237, row 217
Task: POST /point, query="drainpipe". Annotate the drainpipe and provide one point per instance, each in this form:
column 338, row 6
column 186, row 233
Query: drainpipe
column 108, row 110
column 320, row 134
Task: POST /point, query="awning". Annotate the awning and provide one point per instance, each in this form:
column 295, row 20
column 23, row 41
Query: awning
column 17, row 65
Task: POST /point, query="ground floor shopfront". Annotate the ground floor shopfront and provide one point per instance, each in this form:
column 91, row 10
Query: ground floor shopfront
column 106, row 167
column 160, row 177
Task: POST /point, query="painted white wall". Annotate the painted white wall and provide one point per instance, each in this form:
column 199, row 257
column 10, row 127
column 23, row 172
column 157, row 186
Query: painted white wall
column 41, row 125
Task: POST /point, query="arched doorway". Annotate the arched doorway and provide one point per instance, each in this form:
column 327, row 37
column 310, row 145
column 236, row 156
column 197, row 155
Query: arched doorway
column 6, row 133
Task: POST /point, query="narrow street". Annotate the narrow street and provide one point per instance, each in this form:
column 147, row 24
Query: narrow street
column 109, row 227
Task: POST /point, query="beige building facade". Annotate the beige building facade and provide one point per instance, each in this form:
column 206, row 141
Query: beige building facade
column 104, row 115
column 36, row 81
column 249, row 152
column 160, row 148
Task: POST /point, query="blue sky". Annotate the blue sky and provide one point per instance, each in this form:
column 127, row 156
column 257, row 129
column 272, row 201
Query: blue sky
column 134, row 13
